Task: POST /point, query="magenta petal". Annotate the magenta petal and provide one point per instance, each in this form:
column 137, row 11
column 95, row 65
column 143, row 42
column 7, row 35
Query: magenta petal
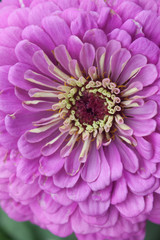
column 19, row 18
column 50, row 147
column 74, row 46
column 132, row 9
column 107, row 20
column 4, row 83
column 111, row 48
column 4, row 14
column 46, row 184
column 16, row 76
column 155, row 213
column 72, row 164
column 64, row 4
column 81, row 226
column 29, row 150
column 102, row 195
column 142, row 127
column 57, row 29
column 62, row 56
column 38, row 12
column 148, row 48
column 122, row 36
column 114, row 160
column 6, row 140
column 25, row 51
column 128, row 157
column 147, row 111
column 139, row 185
column 21, row 192
column 33, row 137
column 62, row 230
column 96, row 37
column 6, row 104
column 20, row 121
column 155, row 138
column 7, row 56
column 133, row 65
column 93, row 208
column 120, row 58
column 87, row 55
column 61, row 197
column 62, row 180
column 82, row 23
column 10, row 36
column 51, row 165
column 93, row 162
column 63, row 214
column 118, row 195
column 144, row 147
column 147, row 75
column 27, row 170
column 132, row 206
column 103, row 179
column 79, row 192
column 39, row 37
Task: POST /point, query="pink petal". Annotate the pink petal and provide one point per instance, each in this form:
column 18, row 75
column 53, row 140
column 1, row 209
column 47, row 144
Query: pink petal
column 120, row 191
column 87, row 56
column 82, row 23
column 72, row 163
column 39, row 11
column 7, row 56
column 119, row 59
column 128, row 157
column 79, row 192
column 62, row 180
column 120, row 35
column 147, row 111
column 6, row 105
column 132, row 9
column 51, row 165
column 39, row 37
column 111, row 48
column 80, row 226
column 74, row 45
column 139, row 185
column 145, row 76
column 93, row 162
column 132, row 206
column 114, row 160
column 147, row 48
column 93, row 208
column 141, row 127
column 96, row 37
column 27, row 170
column 57, row 29
column 25, row 51
column 10, row 36
column 133, row 65
column 144, row 147
column 19, row 18
column 103, row 179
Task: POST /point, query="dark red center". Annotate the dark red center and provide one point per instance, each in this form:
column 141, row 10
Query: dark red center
column 90, row 108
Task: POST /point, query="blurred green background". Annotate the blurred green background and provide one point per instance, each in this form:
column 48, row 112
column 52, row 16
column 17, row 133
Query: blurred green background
column 11, row 230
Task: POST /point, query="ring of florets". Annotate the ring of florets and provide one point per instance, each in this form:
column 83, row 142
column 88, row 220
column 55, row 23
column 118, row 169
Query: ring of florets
column 89, row 107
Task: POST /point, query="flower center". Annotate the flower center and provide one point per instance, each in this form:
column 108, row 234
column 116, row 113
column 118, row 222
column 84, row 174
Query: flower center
column 90, row 108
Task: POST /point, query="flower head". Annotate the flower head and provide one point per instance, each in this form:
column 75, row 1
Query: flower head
column 79, row 108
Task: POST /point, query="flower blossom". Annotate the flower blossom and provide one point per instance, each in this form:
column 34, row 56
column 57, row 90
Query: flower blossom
column 80, row 115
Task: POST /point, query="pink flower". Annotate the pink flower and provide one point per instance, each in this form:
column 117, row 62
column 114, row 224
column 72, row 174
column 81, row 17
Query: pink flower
column 79, row 112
